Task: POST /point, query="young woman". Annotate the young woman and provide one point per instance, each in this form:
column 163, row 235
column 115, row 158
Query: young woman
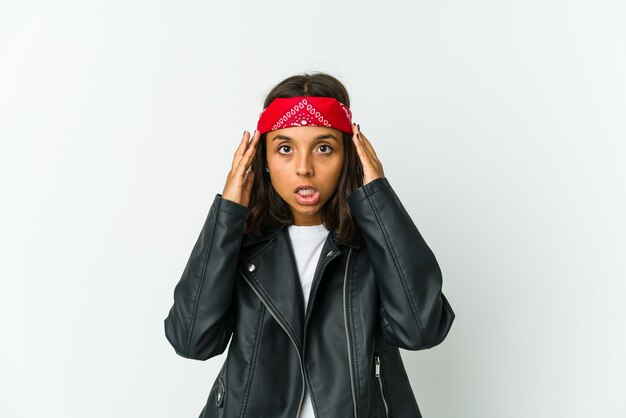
column 310, row 262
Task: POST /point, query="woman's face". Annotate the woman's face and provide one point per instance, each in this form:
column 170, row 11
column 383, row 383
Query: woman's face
column 310, row 156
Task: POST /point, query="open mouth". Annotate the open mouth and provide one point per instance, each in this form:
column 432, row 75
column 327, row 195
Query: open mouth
column 307, row 196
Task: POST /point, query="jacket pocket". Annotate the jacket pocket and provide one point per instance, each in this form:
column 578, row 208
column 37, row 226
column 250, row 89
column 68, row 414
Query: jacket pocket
column 380, row 383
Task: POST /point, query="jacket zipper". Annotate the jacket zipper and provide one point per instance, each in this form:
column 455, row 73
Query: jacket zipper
column 286, row 332
column 309, row 309
column 345, row 317
column 380, row 384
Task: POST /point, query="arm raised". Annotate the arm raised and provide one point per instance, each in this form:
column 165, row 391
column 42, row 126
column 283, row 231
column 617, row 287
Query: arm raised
column 200, row 321
column 416, row 314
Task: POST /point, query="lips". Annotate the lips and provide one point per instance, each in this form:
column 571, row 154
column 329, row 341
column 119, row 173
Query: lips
column 307, row 194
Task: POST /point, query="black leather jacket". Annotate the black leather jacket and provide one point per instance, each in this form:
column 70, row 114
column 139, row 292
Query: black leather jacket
column 369, row 297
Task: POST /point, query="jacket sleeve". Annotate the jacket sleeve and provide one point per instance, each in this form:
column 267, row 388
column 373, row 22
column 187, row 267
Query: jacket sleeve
column 200, row 321
column 415, row 313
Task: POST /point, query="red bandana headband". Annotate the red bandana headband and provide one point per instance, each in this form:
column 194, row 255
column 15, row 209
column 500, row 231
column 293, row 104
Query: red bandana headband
column 284, row 112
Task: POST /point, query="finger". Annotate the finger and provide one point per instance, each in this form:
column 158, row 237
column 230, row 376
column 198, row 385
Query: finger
column 247, row 187
column 367, row 144
column 253, row 138
column 360, row 141
column 240, row 150
column 361, row 151
column 248, row 180
column 355, row 129
column 246, row 159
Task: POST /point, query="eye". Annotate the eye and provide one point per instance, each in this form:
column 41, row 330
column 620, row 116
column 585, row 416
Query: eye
column 281, row 147
column 326, row 146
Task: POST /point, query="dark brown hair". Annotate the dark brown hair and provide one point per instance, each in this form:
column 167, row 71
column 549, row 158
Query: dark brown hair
column 267, row 209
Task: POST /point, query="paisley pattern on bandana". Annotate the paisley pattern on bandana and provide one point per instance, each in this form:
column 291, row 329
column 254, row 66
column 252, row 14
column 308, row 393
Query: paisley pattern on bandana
column 305, row 111
column 298, row 116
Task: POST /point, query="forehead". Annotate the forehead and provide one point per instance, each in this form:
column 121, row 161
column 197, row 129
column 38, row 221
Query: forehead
column 304, row 133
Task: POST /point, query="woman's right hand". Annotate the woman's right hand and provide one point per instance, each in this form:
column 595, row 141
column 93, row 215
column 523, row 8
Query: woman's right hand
column 239, row 181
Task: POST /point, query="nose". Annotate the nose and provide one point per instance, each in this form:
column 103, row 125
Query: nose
column 305, row 167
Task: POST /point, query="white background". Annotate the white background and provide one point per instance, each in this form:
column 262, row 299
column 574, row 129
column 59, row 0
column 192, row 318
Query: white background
column 500, row 124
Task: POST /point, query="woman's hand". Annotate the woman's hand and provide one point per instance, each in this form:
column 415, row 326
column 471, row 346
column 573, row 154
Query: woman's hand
column 372, row 167
column 239, row 181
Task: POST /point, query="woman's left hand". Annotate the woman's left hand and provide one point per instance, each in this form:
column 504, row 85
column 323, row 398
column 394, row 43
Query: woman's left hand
column 372, row 167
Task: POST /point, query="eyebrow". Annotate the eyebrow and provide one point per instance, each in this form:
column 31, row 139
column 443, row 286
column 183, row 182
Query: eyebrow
column 317, row 138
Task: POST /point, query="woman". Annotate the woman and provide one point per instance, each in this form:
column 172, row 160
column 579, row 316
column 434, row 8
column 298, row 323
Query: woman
column 311, row 263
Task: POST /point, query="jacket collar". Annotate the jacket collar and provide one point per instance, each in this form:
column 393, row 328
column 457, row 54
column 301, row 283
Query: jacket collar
column 268, row 234
column 273, row 273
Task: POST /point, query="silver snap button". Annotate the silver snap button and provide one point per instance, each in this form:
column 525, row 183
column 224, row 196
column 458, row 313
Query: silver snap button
column 251, row 267
column 219, row 396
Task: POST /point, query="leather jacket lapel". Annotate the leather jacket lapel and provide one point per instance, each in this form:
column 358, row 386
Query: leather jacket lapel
column 274, row 273
column 272, row 270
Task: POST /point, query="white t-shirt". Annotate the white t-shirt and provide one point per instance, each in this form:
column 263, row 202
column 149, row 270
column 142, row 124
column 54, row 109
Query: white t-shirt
column 307, row 242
